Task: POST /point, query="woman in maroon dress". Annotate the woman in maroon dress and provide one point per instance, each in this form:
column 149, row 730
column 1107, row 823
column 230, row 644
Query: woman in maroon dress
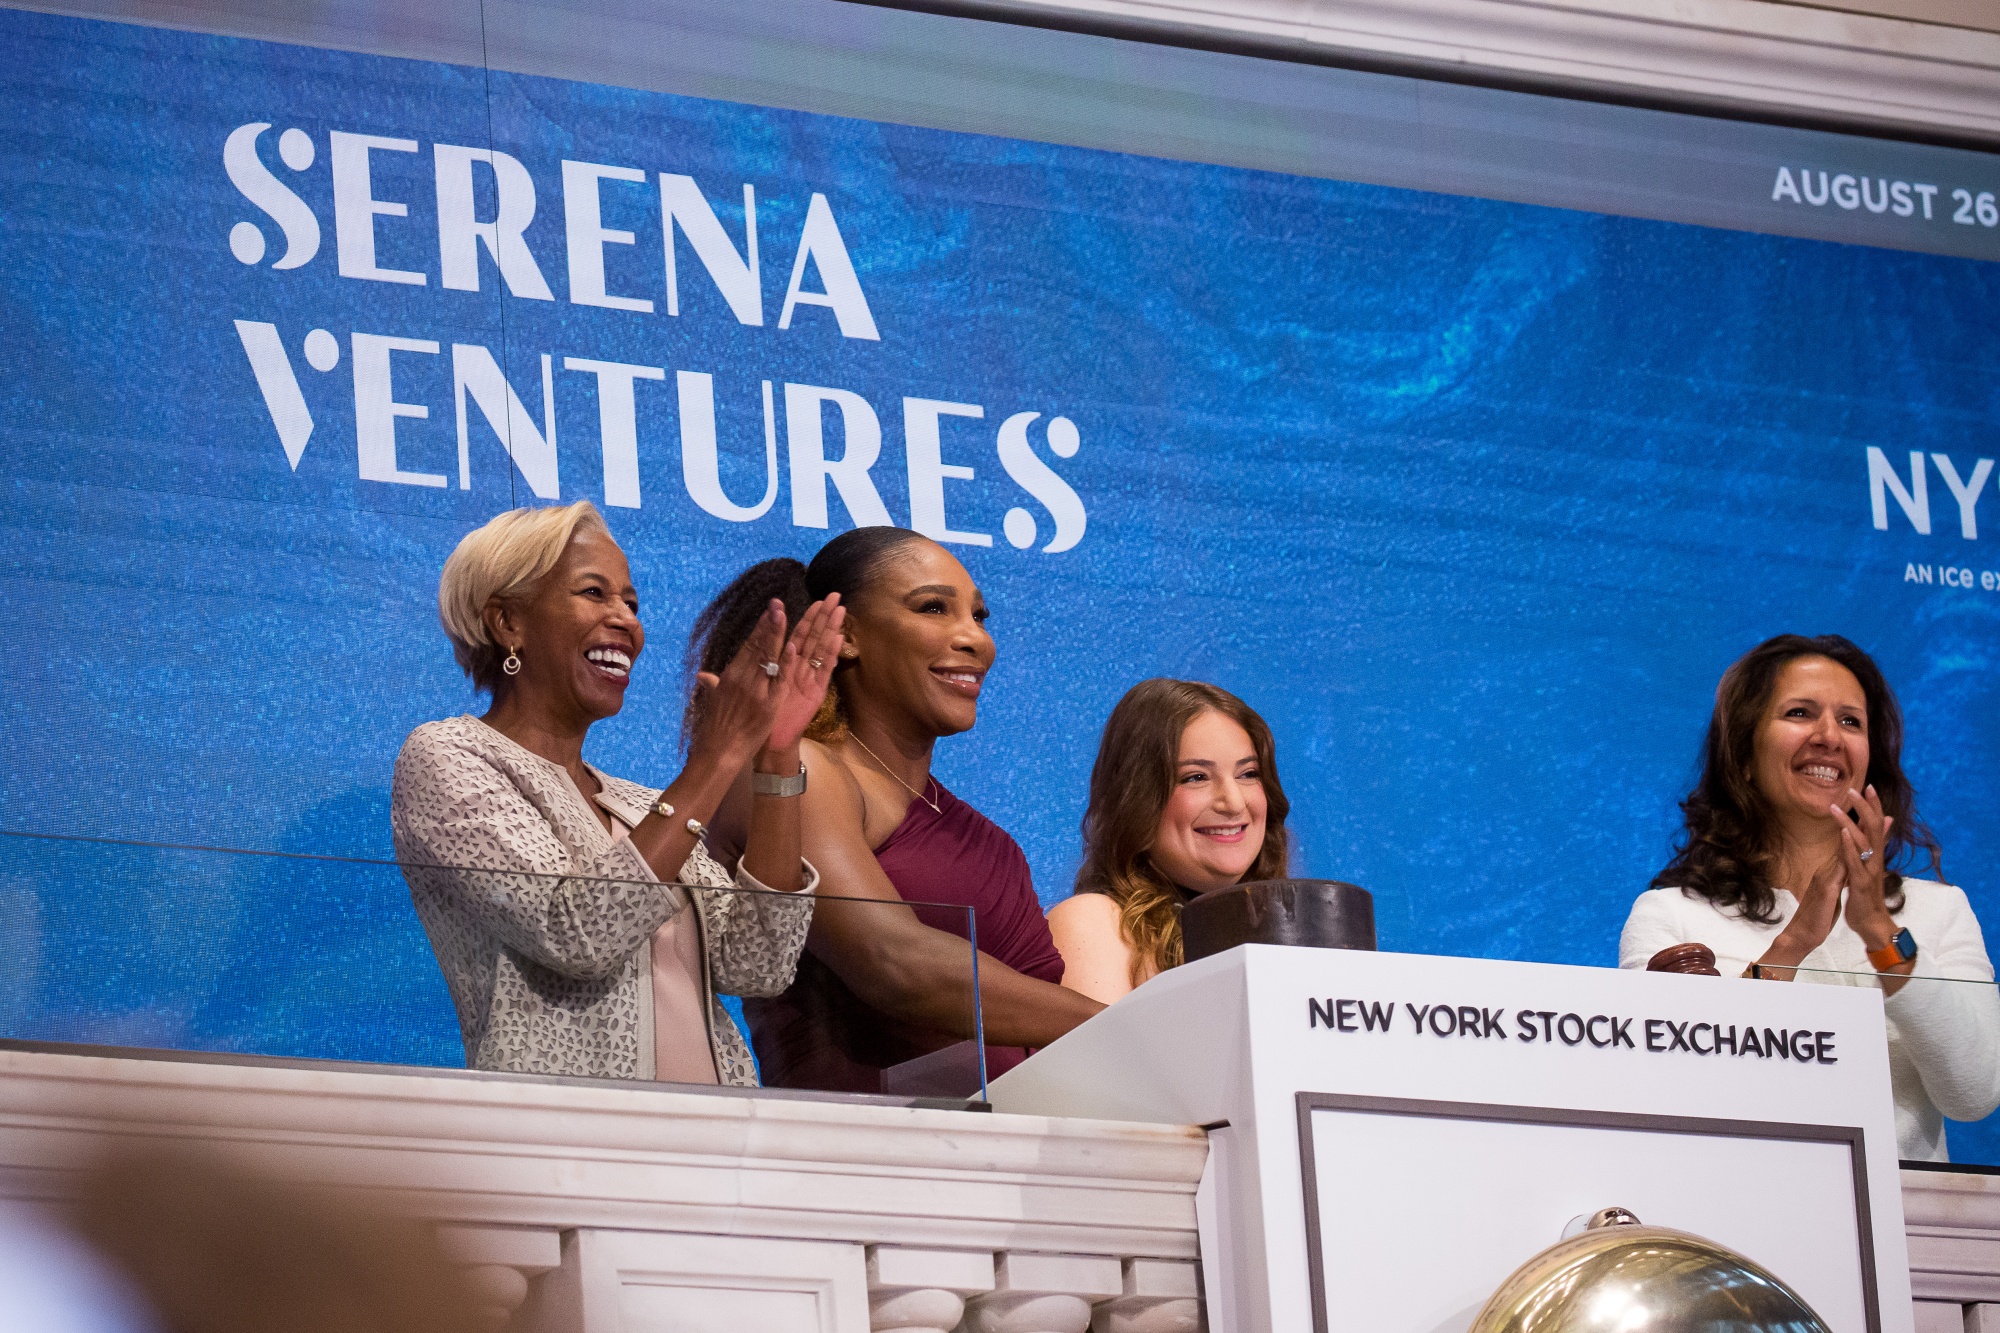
column 877, row 986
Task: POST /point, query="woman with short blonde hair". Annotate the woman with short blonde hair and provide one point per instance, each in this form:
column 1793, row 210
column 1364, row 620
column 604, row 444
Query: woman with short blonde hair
column 498, row 561
column 556, row 896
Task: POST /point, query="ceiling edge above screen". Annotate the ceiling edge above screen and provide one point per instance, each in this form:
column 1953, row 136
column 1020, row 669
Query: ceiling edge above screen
column 1922, row 81
column 893, row 64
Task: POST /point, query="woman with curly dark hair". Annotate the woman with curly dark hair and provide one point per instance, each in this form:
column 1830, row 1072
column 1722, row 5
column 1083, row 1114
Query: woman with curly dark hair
column 1799, row 832
column 1184, row 800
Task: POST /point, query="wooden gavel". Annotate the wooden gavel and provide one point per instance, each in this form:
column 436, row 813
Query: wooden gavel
column 1693, row 959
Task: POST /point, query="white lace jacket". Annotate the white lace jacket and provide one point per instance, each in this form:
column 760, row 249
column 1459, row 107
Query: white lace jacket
column 543, row 923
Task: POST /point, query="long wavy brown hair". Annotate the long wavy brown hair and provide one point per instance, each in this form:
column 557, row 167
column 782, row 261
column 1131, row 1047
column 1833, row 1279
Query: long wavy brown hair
column 1130, row 785
column 1729, row 850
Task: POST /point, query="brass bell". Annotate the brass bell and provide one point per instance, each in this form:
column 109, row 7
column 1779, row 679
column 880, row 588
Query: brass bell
column 1620, row 1276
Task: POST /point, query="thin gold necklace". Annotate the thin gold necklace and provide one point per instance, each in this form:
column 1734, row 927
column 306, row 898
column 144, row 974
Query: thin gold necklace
column 892, row 773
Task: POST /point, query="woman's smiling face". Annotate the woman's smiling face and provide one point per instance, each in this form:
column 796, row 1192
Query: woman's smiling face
column 1812, row 743
column 919, row 634
column 578, row 633
column 1213, row 827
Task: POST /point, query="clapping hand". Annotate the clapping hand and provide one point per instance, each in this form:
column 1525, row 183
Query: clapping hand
column 1858, row 871
column 1863, row 849
column 1810, row 925
column 770, row 690
column 808, row 670
column 739, row 704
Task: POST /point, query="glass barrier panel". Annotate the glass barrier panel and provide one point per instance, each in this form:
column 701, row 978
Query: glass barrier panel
column 1830, row 976
column 211, row 950
column 1966, row 1005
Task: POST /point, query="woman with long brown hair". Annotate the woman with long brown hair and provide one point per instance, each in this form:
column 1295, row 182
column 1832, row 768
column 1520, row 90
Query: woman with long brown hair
column 1799, row 832
column 1184, row 800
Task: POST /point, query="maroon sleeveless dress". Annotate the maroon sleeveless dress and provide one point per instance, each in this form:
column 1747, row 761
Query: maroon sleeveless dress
column 819, row 1034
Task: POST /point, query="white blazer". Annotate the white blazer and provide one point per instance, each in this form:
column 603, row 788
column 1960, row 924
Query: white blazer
column 1944, row 1039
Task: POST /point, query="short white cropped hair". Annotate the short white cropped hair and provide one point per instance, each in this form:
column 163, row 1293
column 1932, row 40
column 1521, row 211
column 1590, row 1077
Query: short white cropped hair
column 504, row 559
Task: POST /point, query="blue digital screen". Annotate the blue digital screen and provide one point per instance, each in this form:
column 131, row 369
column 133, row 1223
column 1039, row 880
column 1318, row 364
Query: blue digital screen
column 1473, row 500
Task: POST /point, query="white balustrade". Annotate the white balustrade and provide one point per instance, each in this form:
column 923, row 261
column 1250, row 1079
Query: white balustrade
column 634, row 1208
column 630, row 1209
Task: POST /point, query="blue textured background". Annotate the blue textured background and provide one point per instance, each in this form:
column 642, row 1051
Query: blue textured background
column 1473, row 500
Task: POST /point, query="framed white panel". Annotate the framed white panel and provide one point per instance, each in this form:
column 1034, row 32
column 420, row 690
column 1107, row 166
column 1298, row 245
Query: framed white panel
column 1416, row 1212
column 653, row 1282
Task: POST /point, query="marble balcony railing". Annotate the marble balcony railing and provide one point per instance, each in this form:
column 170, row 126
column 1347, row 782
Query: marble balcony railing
column 605, row 1208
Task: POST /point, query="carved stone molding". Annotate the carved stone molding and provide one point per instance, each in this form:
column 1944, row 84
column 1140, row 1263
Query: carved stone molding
column 1159, row 1296
column 923, row 1291
column 501, row 1263
column 1953, row 1222
column 1749, row 57
column 1044, row 1293
column 500, row 1151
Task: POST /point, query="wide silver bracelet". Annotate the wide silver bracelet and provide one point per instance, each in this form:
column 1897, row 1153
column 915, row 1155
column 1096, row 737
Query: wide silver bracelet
column 771, row 784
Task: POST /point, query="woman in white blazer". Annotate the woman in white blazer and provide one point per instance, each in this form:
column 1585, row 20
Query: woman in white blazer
column 1797, row 832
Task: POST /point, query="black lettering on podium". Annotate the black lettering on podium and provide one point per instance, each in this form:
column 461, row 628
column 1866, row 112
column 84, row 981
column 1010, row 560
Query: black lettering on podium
column 1443, row 1011
column 1803, row 1048
column 1654, row 1036
column 1751, row 1046
column 1824, row 1047
column 1343, row 1015
column 1468, row 1020
column 1489, row 1023
column 1590, row 1031
column 1373, row 1013
column 1777, row 1043
column 1417, row 1016
column 1723, row 1038
column 1680, row 1035
column 1694, row 1042
column 1319, row 1015
column 1525, row 1021
column 1562, row 1029
column 1621, row 1033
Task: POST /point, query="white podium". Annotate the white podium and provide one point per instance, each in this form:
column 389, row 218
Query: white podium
column 1392, row 1134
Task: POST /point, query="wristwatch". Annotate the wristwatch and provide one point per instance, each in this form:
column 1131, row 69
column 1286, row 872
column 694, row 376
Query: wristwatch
column 771, row 784
column 1895, row 953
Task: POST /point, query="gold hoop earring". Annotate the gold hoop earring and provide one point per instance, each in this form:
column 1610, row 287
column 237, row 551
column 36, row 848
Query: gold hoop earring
column 512, row 666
